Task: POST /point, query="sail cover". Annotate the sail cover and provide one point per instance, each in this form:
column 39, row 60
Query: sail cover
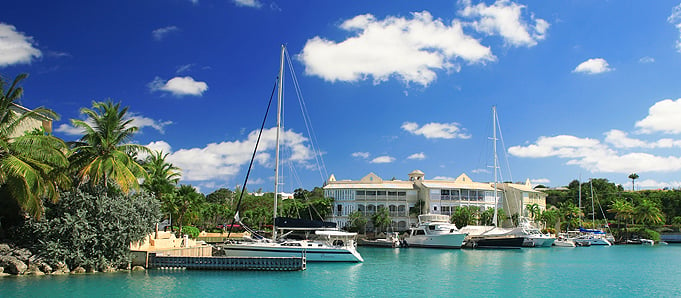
column 289, row 223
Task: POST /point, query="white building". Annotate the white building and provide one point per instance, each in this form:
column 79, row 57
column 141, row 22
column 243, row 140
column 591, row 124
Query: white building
column 439, row 197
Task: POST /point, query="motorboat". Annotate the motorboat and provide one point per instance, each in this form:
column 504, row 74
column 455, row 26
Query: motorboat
column 435, row 231
column 492, row 237
column 563, row 241
column 391, row 240
column 590, row 237
column 533, row 236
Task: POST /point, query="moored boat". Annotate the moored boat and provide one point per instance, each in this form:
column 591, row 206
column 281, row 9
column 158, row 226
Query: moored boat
column 435, row 231
column 391, row 240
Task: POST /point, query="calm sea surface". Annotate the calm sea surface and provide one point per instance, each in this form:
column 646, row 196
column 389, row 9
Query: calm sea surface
column 412, row 272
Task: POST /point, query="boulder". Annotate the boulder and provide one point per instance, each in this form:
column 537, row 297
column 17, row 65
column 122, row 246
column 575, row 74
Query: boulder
column 33, row 269
column 78, row 270
column 138, row 268
column 60, row 269
column 4, row 249
column 12, row 265
column 44, row 267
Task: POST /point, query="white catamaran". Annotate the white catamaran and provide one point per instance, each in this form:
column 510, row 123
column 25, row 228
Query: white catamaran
column 321, row 243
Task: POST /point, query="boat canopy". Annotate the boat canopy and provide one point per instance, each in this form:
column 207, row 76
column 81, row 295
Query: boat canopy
column 583, row 230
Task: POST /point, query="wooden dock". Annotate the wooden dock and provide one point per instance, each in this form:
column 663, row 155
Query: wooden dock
column 227, row 263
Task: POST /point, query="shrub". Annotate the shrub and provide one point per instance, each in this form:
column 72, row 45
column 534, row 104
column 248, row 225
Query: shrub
column 193, row 232
column 90, row 228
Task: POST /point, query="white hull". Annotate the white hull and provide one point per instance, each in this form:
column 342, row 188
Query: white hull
column 312, row 254
column 593, row 241
column 436, row 241
column 564, row 243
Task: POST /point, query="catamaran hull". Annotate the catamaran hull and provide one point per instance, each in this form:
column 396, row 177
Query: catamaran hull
column 436, row 241
column 311, row 254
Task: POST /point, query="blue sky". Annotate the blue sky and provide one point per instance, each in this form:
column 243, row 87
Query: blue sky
column 582, row 88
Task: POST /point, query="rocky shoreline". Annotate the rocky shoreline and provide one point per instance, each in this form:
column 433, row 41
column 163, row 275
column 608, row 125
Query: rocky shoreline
column 20, row 261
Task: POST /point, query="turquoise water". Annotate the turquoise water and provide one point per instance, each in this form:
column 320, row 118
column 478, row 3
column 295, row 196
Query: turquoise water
column 413, row 272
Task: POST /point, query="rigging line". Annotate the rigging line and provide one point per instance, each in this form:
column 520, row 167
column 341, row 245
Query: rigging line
column 308, row 122
column 255, row 150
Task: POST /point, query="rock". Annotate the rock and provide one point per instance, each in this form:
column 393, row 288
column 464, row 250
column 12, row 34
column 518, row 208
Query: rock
column 78, row 270
column 109, row 269
column 44, row 267
column 22, row 254
column 33, row 269
column 12, row 265
column 60, row 269
column 4, row 249
column 138, row 268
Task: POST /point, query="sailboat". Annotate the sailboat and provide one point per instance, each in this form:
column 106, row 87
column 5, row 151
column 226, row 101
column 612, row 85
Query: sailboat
column 588, row 237
column 493, row 236
column 321, row 242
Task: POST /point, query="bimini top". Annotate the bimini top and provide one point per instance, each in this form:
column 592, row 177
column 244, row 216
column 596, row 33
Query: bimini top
column 335, row 233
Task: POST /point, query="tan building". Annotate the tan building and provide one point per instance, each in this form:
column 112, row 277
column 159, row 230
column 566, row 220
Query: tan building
column 30, row 123
column 439, row 196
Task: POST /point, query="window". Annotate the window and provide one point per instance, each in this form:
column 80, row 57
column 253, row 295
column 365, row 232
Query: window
column 420, row 232
column 360, row 193
column 340, row 209
column 392, row 193
column 380, row 193
column 402, row 194
column 371, row 192
column 444, row 192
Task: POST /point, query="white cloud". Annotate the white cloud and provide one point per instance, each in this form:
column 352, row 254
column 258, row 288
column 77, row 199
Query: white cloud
column 161, row 33
column 418, row 156
column 184, row 68
column 646, row 59
column 620, row 139
column 651, row 184
column 363, row 155
column 141, row 122
column 411, row 49
column 504, row 18
column 15, row 47
column 159, row 146
column 540, row 181
column 138, row 120
column 675, row 19
column 179, row 86
column 383, row 159
column 224, row 161
column 592, row 155
column 593, row 66
column 248, row 3
column 436, row 130
column 69, row 130
column 663, row 116
column 444, row 178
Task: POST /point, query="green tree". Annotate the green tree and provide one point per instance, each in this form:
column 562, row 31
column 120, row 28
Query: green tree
column 31, row 165
column 648, row 214
column 465, row 215
column 357, row 221
column 162, row 175
column 633, row 177
column 90, row 227
column 571, row 214
column 381, row 219
column 533, row 210
column 221, row 196
column 183, row 202
column 103, row 153
column 550, row 217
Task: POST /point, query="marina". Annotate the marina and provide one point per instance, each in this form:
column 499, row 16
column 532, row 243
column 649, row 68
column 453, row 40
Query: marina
column 404, row 272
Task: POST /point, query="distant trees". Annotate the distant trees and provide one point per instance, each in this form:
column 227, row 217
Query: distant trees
column 381, row 219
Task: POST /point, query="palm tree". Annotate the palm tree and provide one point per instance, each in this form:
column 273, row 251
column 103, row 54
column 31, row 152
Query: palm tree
column 103, row 153
column 533, row 210
column 381, row 219
column 570, row 213
column 647, row 213
column 633, row 177
column 623, row 211
column 163, row 176
column 31, row 165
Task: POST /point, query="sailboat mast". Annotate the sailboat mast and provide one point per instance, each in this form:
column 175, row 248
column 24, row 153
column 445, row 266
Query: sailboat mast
column 593, row 211
column 276, row 159
column 494, row 139
column 580, row 200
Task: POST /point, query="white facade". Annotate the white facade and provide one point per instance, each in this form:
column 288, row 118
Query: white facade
column 439, row 196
